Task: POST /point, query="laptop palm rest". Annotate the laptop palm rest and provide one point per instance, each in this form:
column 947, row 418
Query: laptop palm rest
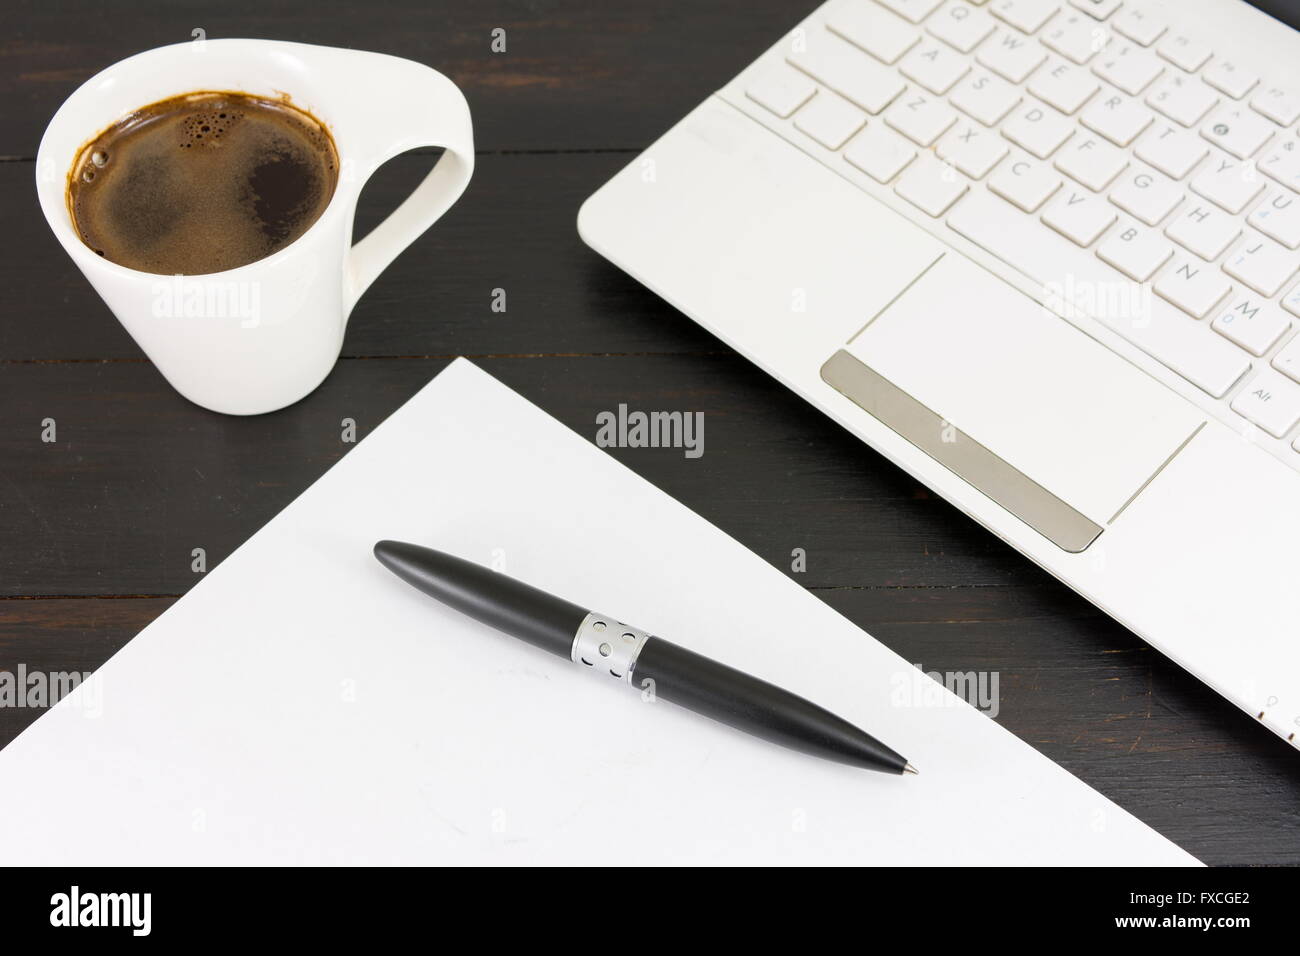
column 1050, row 424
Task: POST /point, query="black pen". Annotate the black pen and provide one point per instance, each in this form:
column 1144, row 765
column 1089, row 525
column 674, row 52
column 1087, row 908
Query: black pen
column 630, row 655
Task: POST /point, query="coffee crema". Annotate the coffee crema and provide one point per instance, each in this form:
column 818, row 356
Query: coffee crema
column 202, row 183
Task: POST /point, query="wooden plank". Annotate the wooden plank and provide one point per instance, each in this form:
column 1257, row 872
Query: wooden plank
column 139, row 477
column 574, row 75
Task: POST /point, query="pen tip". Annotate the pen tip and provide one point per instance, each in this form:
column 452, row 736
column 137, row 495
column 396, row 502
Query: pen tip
column 908, row 768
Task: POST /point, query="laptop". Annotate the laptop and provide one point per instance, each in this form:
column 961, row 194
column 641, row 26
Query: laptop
column 1041, row 254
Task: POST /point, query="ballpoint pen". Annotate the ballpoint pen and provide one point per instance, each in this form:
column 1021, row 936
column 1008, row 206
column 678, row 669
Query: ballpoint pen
column 628, row 654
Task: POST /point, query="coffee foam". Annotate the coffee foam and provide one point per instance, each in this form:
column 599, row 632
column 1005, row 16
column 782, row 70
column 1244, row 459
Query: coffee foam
column 202, row 183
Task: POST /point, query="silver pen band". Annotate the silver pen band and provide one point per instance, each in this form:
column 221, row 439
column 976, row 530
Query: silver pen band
column 608, row 646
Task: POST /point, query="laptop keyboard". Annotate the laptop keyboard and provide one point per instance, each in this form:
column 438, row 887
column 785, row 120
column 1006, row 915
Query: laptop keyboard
column 1092, row 146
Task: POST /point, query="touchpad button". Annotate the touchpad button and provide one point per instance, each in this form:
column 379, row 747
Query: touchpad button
column 1037, row 415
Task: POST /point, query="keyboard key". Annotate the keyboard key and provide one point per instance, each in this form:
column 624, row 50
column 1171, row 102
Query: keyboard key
column 1227, row 77
column 1138, row 25
column 1011, row 56
column 874, row 30
column 1135, row 251
column 1204, row 230
column 1091, row 161
column 1025, row 182
column 1129, row 67
column 1291, row 301
column 1227, row 183
column 1287, row 361
column 830, row 120
column 934, row 66
column 920, row 118
column 1064, row 86
column 1278, row 217
column 1261, row 264
column 1171, row 150
column 961, row 26
column 914, row 10
column 1037, row 129
column 781, row 90
column 931, row 185
column 1078, row 216
column 972, row 149
column 1027, row 16
column 879, row 153
column 849, row 72
column 1076, row 37
column 1183, row 99
column 1193, row 286
column 984, row 97
column 1251, row 323
column 1118, row 118
column 1238, row 130
column 1279, row 105
column 1282, row 163
column 1097, row 9
column 1270, row 401
column 1184, row 52
column 1146, row 194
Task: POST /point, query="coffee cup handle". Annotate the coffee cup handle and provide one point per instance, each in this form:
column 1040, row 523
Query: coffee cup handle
column 432, row 112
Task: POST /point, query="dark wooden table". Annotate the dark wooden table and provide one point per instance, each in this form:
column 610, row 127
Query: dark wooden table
column 96, row 529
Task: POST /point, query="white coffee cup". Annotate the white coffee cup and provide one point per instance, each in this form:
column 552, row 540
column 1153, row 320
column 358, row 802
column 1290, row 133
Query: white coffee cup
column 259, row 337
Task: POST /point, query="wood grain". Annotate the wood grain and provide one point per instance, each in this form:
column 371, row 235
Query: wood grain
column 139, row 476
column 576, row 74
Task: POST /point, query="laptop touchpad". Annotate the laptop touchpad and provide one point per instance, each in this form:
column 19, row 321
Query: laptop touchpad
column 1041, row 418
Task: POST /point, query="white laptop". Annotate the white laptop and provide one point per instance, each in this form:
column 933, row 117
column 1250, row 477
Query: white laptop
column 1043, row 255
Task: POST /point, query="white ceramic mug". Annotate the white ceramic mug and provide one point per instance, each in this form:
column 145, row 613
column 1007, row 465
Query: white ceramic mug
column 259, row 337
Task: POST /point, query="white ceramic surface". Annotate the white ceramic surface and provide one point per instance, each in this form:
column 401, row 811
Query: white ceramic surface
column 257, row 338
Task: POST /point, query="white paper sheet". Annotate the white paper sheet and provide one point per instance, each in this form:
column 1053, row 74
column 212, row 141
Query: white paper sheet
column 303, row 705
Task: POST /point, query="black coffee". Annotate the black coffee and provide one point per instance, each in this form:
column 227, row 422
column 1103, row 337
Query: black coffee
column 202, row 183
